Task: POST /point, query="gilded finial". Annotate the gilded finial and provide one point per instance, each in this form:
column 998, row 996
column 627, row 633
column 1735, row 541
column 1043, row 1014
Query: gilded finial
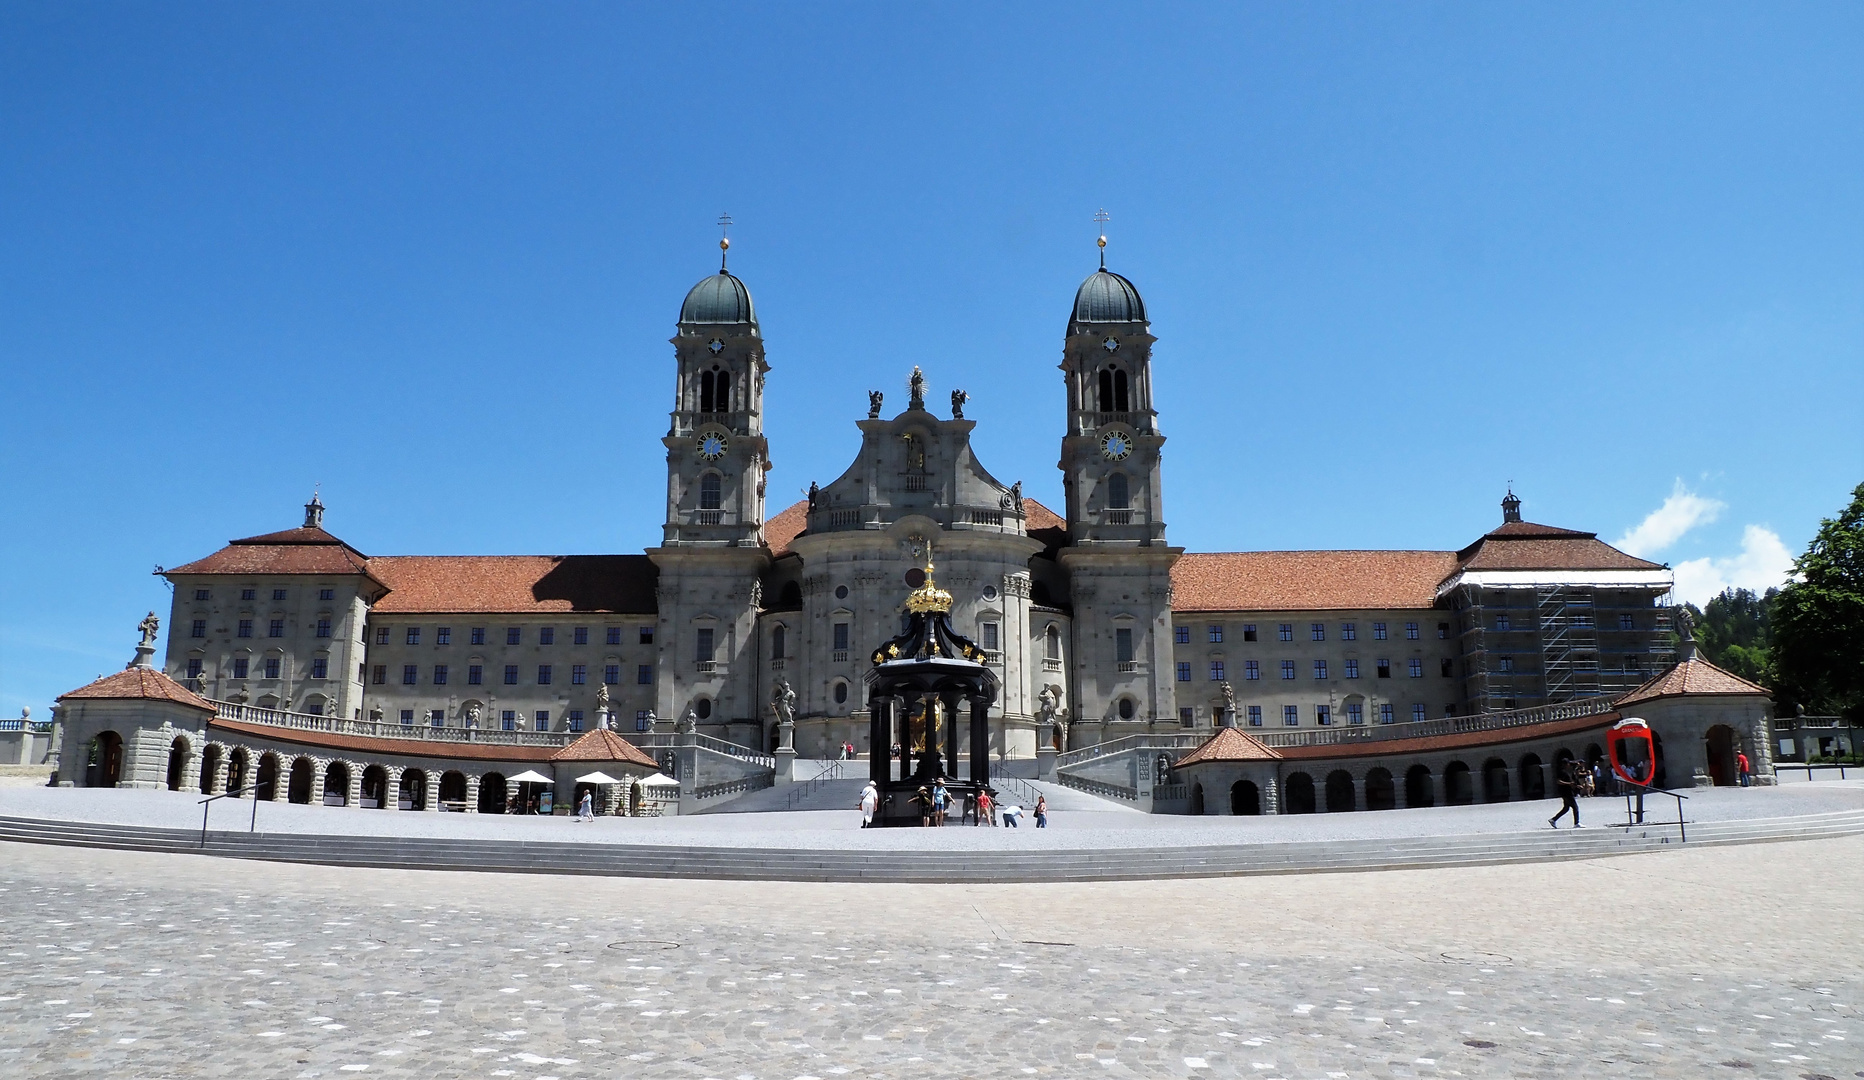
column 1101, row 217
column 724, row 240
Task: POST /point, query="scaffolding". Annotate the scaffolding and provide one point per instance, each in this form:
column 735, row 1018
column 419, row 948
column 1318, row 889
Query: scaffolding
column 1569, row 641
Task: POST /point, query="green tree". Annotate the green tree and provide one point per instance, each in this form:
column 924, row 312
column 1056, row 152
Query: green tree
column 1734, row 633
column 1818, row 620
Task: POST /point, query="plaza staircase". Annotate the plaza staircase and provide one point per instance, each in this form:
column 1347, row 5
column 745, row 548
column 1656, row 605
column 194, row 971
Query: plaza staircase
column 852, row 863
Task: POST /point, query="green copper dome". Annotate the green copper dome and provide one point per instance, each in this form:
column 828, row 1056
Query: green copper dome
column 720, row 298
column 1106, row 297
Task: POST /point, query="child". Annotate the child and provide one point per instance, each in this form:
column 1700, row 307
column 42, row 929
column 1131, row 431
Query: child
column 986, row 807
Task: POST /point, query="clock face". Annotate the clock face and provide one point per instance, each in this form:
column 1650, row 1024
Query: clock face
column 716, row 346
column 712, row 446
column 1116, row 445
column 1111, row 344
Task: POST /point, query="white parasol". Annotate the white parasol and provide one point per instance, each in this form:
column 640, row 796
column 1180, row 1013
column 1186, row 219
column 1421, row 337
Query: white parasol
column 597, row 778
column 530, row 776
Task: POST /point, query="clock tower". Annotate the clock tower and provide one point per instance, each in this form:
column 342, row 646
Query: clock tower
column 1118, row 562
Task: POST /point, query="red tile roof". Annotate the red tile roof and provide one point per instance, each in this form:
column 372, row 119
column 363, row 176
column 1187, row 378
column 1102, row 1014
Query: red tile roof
column 294, row 551
column 1462, row 740
column 362, row 744
column 604, row 745
column 516, row 583
column 1228, row 744
column 1694, row 676
column 1308, row 580
column 1523, row 545
column 140, row 683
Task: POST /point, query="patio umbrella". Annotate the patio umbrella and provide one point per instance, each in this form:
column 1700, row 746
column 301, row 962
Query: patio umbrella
column 529, row 776
column 597, row 778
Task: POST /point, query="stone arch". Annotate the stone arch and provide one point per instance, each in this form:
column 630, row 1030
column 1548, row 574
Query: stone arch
column 375, row 787
column 300, row 782
column 779, row 641
column 1533, row 777
column 1197, row 800
column 210, row 768
column 178, row 754
column 336, row 783
column 1381, row 792
column 1494, row 780
column 239, row 769
column 1124, row 708
column 453, row 788
column 411, row 793
column 268, row 701
column 1719, row 744
column 1298, row 794
column 1458, row 789
column 1341, row 798
column 1051, row 642
column 265, row 783
column 711, row 490
column 1418, row 792
column 492, row 793
column 108, row 746
column 1245, row 799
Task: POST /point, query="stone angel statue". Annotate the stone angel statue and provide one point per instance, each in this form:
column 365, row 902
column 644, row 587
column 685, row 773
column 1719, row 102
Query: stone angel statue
column 958, row 398
column 150, row 626
column 874, row 398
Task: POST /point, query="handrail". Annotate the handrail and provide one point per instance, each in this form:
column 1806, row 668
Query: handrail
column 234, row 793
column 1019, row 787
column 1635, row 818
column 656, row 740
column 799, row 793
column 1142, row 741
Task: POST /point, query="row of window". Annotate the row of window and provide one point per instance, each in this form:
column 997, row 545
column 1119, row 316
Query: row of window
column 1316, row 632
column 274, row 628
column 475, row 674
column 269, row 667
column 510, row 719
column 1252, row 670
column 1581, row 619
column 1324, row 715
column 514, row 635
column 253, row 594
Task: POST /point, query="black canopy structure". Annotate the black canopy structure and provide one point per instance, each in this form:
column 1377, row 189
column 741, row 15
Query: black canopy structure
column 914, row 692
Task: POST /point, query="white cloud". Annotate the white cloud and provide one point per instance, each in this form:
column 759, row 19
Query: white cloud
column 1681, row 512
column 1763, row 563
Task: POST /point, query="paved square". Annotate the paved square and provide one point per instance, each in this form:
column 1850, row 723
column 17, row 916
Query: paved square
column 1699, row 962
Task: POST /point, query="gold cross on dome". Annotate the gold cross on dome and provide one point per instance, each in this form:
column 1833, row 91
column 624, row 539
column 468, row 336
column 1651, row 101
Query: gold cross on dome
column 724, row 240
column 1101, row 217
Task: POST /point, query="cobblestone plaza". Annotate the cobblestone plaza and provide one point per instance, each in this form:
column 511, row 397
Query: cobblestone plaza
column 1694, row 962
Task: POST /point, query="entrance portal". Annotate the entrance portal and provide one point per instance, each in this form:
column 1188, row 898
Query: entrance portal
column 1298, row 794
column 1245, row 799
column 1720, row 744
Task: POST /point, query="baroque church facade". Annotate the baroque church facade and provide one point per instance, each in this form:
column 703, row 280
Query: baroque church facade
column 1094, row 623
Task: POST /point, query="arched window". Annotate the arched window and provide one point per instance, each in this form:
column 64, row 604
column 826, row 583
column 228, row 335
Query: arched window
column 1126, row 708
column 721, row 393
column 702, row 708
column 777, row 636
column 1119, row 391
column 705, row 391
column 709, row 492
column 1106, row 390
column 1118, row 497
column 1052, row 642
column 841, row 693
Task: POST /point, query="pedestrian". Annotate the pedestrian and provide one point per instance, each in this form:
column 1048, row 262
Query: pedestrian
column 941, row 801
column 986, row 807
column 1568, row 784
column 870, row 802
column 1041, row 811
column 923, row 797
column 970, row 808
column 1741, row 763
column 1010, row 814
column 993, row 806
column 585, row 810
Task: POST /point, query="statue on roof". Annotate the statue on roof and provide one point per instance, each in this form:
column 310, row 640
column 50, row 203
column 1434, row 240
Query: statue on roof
column 472, row 714
column 689, row 720
column 149, row 626
column 918, row 387
column 874, row 398
column 1685, row 624
column 958, row 398
column 815, row 492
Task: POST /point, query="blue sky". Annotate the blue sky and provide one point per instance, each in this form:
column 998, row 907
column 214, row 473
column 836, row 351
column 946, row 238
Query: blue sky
column 428, row 256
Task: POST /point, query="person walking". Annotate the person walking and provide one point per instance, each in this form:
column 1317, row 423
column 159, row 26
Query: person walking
column 941, row 801
column 986, row 807
column 1041, row 811
column 1741, row 763
column 870, row 802
column 1569, row 788
column 923, row 798
column 585, row 810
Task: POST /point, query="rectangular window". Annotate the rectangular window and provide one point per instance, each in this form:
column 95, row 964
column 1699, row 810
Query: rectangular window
column 248, row 594
column 379, row 674
column 543, row 674
column 613, row 635
column 1181, row 635
column 326, row 594
column 414, row 635
column 511, row 674
column 1385, row 669
column 443, row 635
column 323, row 627
column 1355, row 713
column 478, row 635
column 990, row 637
column 1378, row 631
column 1349, row 631
column 407, row 717
column 275, row 628
column 194, row 669
column 277, row 595
column 1323, row 715
column 611, row 674
column 1255, row 716
column 1416, row 667
column 1251, row 671
column 320, row 668
column 1449, row 708
column 271, row 667
column 1184, row 671
column 1249, row 631
column 1216, row 671
column 579, row 674
column 203, row 594
column 644, row 675
column 1216, row 635
column 1285, row 631
column 1447, row 668
column 706, row 650
column 1443, row 631
column 437, row 717
column 1626, row 622
column 575, row 719
column 514, row 635
column 1187, row 717
column 475, row 674
column 1633, row 665
column 1317, row 631
column 580, row 635
column 1287, row 669
column 440, row 674
column 1123, row 645
column 1352, row 668
column 410, row 674
column 1386, row 715
column 1501, row 621
column 1410, row 631
column 1291, row 715
column 647, row 635
column 1505, row 664
column 1417, row 714
column 641, row 721
column 1320, row 669
column 198, row 628
column 546, row 635
column 508, row 719
column 381, row 635
column 542, row 719
column 245, row 628
column 239, row 667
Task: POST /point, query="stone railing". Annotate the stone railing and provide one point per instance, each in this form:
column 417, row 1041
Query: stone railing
column 1445, row 725
column 19, row 723
column 1130, row 742
column 371, row 729
column 654, row 740
column 734, row 787
column 1096, row 787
